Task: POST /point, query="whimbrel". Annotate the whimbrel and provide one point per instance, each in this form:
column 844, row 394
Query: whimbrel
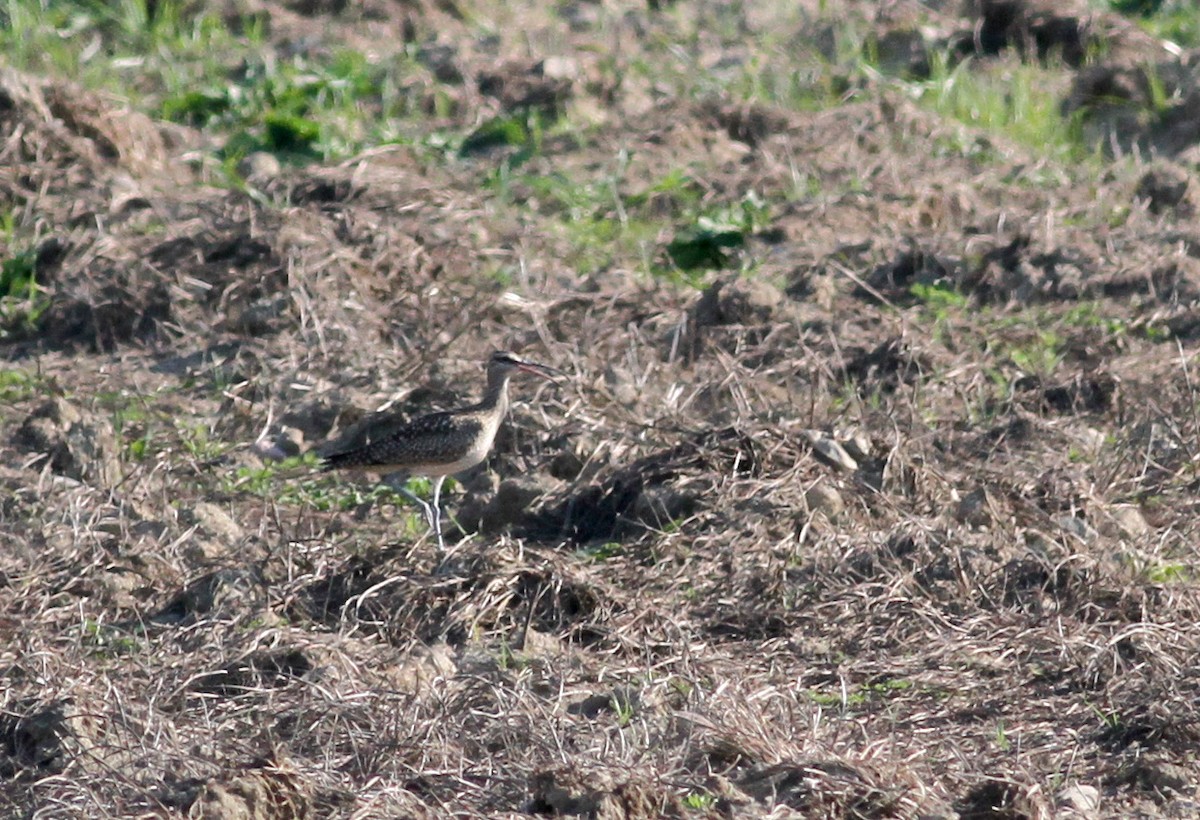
column 441, row 444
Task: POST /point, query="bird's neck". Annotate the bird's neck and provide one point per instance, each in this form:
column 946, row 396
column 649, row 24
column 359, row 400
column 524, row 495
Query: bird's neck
column 496, row 396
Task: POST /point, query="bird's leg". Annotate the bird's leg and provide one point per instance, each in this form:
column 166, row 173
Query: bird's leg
column 437, row 512
column 398, row 486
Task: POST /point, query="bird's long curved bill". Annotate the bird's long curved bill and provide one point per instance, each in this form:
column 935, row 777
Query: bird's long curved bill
column 545, row 371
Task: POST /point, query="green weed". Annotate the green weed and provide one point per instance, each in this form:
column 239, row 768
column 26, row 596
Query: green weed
column 1174, row 20
column 22, row 301
column 1014, row 99
column 108, row 641
column 1040, row 356
column 18, row 385
column 1169, row 573
column 705, row 242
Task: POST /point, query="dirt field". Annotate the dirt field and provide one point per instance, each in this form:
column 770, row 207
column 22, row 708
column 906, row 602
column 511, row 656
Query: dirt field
column 870, row 489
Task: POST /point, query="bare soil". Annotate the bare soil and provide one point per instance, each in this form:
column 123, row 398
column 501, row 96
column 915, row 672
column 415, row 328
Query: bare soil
column 793, row 543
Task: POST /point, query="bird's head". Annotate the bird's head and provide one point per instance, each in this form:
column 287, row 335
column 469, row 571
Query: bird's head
column 504, row 363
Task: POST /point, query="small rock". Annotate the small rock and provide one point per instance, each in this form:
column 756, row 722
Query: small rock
column 288, row 442
column 622, row 387
column 1078, row 800
column 821, row 498
column 829, row 451
column 1039, row 543
column 973, row 509
column 560, row 68
column 442, row 60
column 567, row 465
column 1165, row 188
column 259, row 167
column 858, row 446
column 658, row 507
column 538, row 644
column 213, row 520
column 426, row 665
column 260, row 317
column 1077, row 527
column 1124, row 521
column 76, row 447
column 903, row 51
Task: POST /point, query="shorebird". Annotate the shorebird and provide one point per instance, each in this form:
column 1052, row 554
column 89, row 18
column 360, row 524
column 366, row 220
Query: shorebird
column 441, row 444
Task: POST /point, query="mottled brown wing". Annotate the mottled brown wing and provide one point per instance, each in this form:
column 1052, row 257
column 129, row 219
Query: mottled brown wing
column 438, row 438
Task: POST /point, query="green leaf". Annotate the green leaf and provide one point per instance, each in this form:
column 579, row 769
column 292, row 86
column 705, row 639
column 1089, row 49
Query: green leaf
column 703, row 247
column 493, row 133
column 287, row 132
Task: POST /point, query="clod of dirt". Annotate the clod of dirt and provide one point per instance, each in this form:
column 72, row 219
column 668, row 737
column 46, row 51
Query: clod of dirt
column 510, row 505
column 260, row 167
column 1114, row 98
column 261, row 670
column 45, row 738
column 622, row 699
column 58, row 124
column 829, row 451
column 903, row 51
column 973, row 509
column 1020, row 272
column 212, row 521
column 824, row 499
column 1078, row 801
column 1164, row 779
column 265, row 793
column 911, row 266
column 224, row 593
column 313, row 420
column 536, row 645
column 1103, row 86
column 750, row 124
column 1031, row 26
column 658, row 507
column 425, row 664
column 1123, row 521
column 886, row 366
column 314, row 8
column 737, row 301
column 524, row 85
column 1165, row 188
column 567, row 465
column 442, row 60
column 76, row 448
column 595, row 795
column 617, row 507
column 260, row 317
column 821, row 788
column 1092, row 393
column 997, row 800
column 857, row 445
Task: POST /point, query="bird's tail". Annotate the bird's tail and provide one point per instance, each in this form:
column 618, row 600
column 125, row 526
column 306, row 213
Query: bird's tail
column 347, row 460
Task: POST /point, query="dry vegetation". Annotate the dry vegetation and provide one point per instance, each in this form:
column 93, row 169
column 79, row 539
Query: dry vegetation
column 871, row 491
